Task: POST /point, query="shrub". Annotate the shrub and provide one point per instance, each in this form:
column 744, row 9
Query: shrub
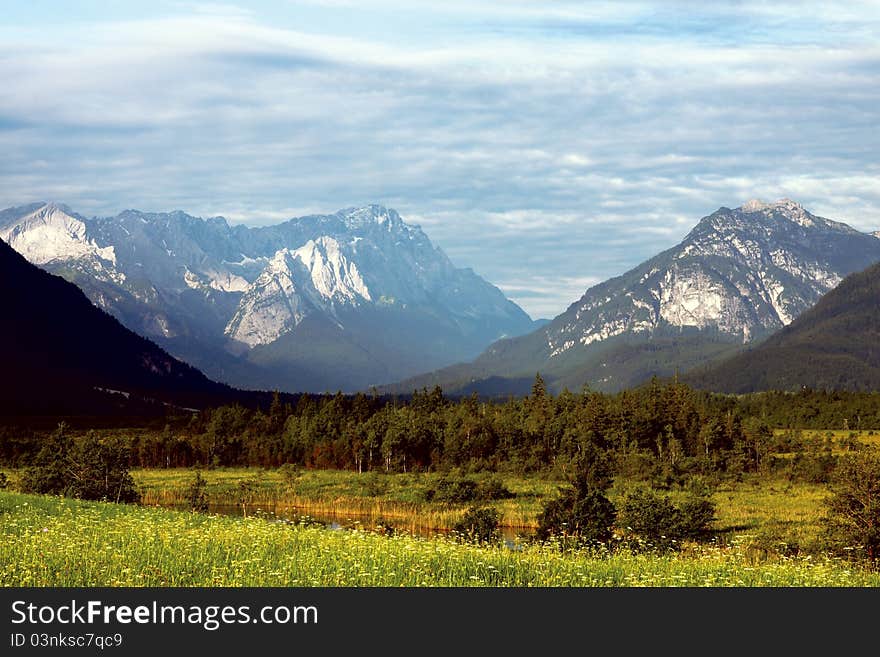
column 478, row 525
column 4, row 481
column 852, row 525
column 374, row 485
column 582, row 515
column 493, row 489
column 772, row 539
column 48, row 473
column 448, row 490
column 290, row 474
column 91, row 469
column 195, row 493
column 99, row 470
column 653, row 521
column 461, row 490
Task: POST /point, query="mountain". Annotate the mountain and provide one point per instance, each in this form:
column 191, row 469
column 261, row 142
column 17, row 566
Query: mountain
column 738, row 276
column 835, row 345
column 64, row 355
column 323, row 302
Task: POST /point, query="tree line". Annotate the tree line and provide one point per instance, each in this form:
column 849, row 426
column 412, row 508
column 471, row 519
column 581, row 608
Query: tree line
column 662, row 431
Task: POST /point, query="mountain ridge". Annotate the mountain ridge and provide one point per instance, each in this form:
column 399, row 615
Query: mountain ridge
column 736, row 277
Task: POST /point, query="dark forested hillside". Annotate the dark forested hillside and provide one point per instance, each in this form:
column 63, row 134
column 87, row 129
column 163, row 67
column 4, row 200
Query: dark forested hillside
column 61, row 354
column 835, row 346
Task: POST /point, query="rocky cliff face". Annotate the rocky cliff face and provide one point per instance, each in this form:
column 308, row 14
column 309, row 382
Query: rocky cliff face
column 318, row 277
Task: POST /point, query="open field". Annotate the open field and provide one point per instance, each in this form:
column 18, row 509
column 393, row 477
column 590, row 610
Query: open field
column 50, row 541
column 837, row 437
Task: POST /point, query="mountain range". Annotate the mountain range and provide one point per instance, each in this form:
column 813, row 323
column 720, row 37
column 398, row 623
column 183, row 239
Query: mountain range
column 740, row 275
column 319, row 303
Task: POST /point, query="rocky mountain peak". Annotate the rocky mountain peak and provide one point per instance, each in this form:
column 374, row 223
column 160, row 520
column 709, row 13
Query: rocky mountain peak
column 54, row 232
column 784, row 207
column 210, row 292
column 741, row 273
column 370, row 214
column 757, row 205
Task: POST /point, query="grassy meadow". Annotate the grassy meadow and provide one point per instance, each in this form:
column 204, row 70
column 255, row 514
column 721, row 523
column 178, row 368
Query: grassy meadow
column 766, row 533
column 51, row 541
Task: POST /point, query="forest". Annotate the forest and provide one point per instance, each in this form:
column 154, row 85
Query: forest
column 661, row 431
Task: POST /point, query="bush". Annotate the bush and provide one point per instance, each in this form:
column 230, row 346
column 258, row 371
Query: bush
column 374, row 485
column 48, row 474
column 852, row 525
column 4, row 481
column 90, row 469
column 582, row 515
column 99, row 470
column 493, row 489
column 813, row 468
column 773, row 539
column 479, row 525
column 653, row 522
column 195, row 493
column 448, row 490
column 290, row 475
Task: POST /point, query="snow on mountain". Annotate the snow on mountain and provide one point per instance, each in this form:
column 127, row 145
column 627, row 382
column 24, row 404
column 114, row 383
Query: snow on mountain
column 54, row 233
column 738, row 276
column 207, row 288
column 317, row 277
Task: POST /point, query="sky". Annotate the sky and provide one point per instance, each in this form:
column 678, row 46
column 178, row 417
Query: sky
column 549, row 145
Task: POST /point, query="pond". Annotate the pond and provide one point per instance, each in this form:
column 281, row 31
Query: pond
column 513, row 537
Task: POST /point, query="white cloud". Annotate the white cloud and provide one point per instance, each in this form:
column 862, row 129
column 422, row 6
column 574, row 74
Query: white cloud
column 560, row 140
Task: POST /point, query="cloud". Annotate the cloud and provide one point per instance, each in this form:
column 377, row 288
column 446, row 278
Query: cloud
column 546, row 145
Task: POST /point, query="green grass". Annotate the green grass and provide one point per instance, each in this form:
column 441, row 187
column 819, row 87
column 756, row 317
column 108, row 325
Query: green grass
column 49, row 541
column 838, row 436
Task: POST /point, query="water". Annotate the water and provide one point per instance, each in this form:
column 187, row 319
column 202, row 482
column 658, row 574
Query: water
column 513, row 536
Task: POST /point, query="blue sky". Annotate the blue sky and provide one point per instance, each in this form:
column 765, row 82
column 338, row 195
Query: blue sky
column 548, row 145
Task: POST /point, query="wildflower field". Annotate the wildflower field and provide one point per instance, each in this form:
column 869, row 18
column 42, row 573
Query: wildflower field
column 51, row 541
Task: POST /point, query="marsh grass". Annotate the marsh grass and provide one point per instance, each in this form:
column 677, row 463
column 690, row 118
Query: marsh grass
column 749, row 505
column 46, row 541
column 396, row 496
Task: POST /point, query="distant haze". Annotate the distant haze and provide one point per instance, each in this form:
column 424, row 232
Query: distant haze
column 547, row 145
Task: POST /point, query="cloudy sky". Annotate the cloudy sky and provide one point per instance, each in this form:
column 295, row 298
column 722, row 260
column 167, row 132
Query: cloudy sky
column 547, row 144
